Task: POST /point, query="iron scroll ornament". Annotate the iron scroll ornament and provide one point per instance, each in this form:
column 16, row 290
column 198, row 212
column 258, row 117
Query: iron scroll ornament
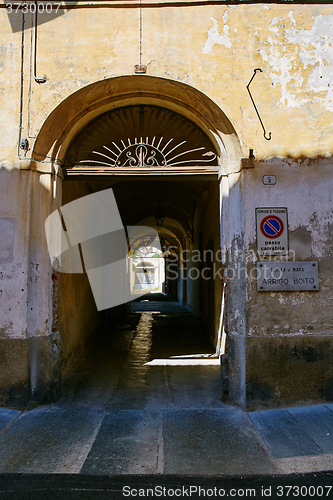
column 142, row 136
column 255, row 107
column 145, row 154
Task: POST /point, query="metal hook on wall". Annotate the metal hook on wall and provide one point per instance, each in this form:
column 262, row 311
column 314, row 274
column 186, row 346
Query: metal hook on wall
column 255, row 107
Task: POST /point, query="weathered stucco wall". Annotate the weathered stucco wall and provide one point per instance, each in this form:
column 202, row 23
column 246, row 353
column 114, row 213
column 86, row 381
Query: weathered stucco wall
column 29, row 368
column 305, row 189
column 213, row 49
column 291, row 333
column 78, row 315
column 204, row 267
column 13, row 290
column 211, row 288
column 15, row 263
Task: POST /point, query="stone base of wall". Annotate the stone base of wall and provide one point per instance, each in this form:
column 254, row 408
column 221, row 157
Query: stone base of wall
column 13, row 373
column 44, row 361
column 288, row 371
column 30, row 371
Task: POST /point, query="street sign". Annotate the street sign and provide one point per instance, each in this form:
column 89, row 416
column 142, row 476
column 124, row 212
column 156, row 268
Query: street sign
column 287, row 276
column 271, row 226
column 272, row 231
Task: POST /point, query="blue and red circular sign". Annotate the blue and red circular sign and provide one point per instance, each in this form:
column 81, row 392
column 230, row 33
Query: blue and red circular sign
column 271, row 226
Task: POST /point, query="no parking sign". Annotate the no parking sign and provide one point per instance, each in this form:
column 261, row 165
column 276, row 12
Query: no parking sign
column 272, row 231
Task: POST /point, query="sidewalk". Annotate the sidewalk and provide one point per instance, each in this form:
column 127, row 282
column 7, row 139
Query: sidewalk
column 298, row 439
column 216, row 442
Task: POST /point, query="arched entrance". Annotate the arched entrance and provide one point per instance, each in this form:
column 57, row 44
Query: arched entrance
column 82, row 107
column 160, row 146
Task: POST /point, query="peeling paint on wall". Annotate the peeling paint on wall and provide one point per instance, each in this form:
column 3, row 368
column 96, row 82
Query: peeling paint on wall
column 215, row 37
column 316, row 52
column 300, row 60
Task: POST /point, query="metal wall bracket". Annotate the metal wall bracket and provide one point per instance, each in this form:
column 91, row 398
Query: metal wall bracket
column 255, row 107
column 140, row 68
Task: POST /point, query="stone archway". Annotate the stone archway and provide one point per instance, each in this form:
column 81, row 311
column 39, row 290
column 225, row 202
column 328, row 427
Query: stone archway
column 80, row 108
column 72, row 118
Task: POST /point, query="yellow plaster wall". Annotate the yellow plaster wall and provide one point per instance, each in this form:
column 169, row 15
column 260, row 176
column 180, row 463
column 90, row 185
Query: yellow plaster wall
column 214, row 48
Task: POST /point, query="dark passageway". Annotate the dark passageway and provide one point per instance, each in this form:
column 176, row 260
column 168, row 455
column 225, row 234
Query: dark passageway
column 156, row 356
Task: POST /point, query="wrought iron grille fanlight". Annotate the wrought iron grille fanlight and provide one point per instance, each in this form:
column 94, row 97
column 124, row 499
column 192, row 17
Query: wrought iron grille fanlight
column 141, row 137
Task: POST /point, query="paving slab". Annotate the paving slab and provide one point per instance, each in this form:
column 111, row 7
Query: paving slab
column 282, row 434
column 190, row 442
column 96, row 391
column 48, row 440
column 317, row 422
column 306, row 463
column 128, row 442
column 213, row 442
column 178, row 442
column 203, row 394
column 7, row 416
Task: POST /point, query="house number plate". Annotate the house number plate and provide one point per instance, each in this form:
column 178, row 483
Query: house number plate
column 269, row 180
